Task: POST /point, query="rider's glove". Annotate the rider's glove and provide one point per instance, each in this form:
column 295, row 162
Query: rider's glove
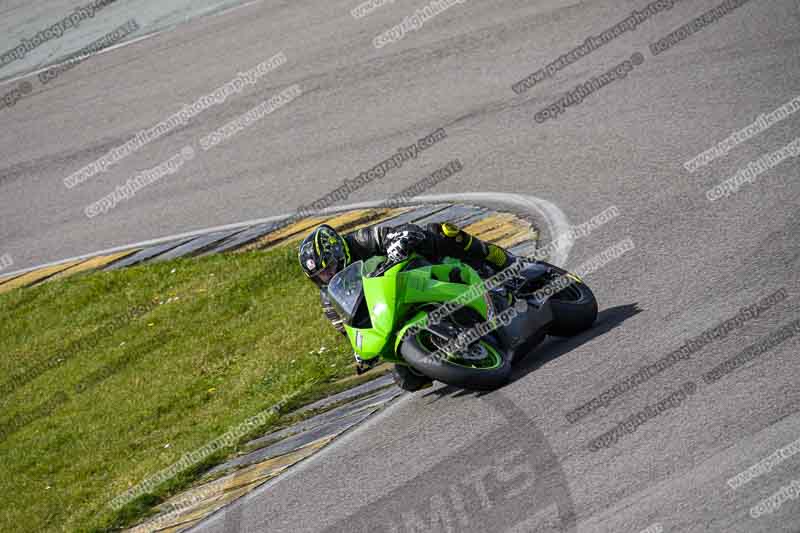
column 402, row 243
column 362, row 365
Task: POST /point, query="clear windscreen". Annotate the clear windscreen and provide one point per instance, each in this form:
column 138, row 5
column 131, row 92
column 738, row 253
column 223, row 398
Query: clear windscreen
column 346, row 290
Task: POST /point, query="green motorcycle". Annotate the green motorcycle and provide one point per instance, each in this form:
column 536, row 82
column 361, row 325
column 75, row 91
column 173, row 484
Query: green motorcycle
column 439, row 321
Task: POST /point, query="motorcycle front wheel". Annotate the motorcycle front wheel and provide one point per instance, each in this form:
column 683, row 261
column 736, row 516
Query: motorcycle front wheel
column 480, row 366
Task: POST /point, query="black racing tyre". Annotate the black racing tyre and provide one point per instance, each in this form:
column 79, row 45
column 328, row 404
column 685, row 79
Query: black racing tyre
column 418, row 352
column 574, row 310
column 409, row 379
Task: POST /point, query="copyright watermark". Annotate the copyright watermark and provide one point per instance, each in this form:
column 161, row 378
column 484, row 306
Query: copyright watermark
column 139, row 182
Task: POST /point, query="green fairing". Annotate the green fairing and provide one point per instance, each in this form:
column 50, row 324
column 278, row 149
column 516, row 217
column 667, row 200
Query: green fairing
column 395, row 301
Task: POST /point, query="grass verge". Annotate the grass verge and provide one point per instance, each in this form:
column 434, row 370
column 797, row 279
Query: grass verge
column 110, row 377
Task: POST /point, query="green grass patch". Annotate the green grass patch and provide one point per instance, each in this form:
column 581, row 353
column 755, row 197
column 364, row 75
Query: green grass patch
column 108, row 378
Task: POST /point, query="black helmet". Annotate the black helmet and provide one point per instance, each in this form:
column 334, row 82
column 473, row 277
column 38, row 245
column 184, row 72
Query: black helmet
column 322, row 254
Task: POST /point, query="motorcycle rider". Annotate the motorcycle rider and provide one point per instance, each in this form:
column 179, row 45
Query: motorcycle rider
column 323, row 253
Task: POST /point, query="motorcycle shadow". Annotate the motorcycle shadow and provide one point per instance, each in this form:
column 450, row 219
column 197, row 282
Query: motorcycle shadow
column 552, row 348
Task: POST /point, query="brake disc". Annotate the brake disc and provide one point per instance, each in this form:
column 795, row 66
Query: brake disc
column 476, row 352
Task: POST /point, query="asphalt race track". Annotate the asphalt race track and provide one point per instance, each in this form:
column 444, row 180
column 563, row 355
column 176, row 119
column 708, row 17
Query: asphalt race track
column 510, row 460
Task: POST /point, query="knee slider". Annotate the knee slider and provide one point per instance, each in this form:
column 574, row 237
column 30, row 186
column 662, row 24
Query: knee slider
column 450, row 230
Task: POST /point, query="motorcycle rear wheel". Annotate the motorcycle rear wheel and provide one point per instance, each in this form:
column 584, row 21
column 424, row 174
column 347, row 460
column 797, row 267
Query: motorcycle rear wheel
column 574, row 309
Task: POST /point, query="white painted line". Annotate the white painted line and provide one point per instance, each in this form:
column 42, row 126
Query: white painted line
column 225, row 517
column 149, row 35
column 85, row 57
column 556, row 220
